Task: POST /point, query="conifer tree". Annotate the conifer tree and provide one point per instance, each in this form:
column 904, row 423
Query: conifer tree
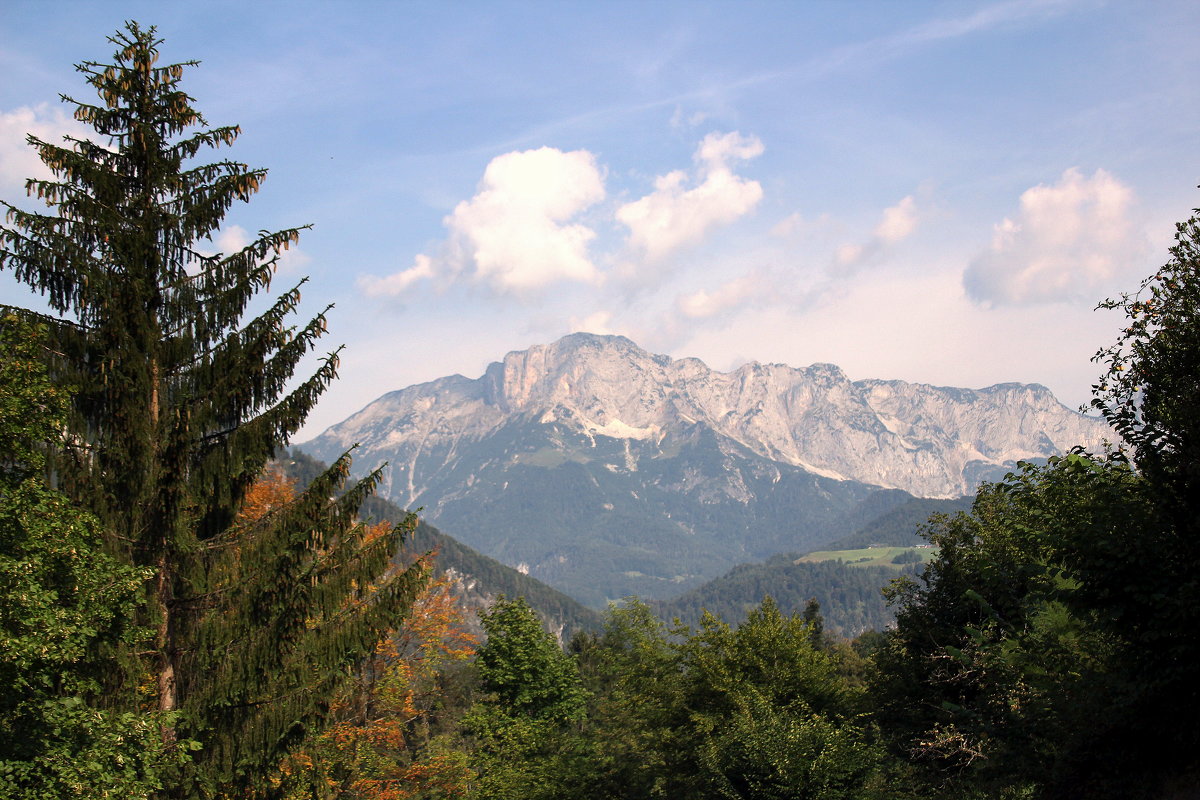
column 179, row 401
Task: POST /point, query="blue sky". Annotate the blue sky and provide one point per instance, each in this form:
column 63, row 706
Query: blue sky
column 938, row 192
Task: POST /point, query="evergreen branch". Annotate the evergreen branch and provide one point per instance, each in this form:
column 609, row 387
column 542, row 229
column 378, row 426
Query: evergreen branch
column 287, row 416
column 250, row 372
column 56, row 323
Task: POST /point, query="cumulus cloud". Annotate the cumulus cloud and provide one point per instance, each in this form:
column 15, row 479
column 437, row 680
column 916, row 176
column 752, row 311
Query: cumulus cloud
column 1067, row 241
column 516, row 232
column 729, row 295
column 599, row 322
column 18, row 160
column 897, row 223
column 682, row 208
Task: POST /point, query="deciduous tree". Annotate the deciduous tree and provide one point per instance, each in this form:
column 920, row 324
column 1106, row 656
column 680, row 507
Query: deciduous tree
column 532, row 695
column 66, row 613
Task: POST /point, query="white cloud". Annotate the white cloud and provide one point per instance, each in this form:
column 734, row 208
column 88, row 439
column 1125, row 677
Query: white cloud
column 897, row 223
column 717, row 150
column 230, row 239
column 515, row 234
column 729, row 295
column 674, row 215
column 599, row 322
column 398, row 282
column 18, row 160
column 1069, row 240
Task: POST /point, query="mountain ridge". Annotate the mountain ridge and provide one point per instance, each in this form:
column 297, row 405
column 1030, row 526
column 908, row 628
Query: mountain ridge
column 604, row 470
column 931, row 441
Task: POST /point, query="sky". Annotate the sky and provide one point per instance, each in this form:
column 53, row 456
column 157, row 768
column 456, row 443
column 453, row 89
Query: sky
column 937, row 192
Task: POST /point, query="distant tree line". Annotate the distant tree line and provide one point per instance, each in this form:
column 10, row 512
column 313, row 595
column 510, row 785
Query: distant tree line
column 851, row 597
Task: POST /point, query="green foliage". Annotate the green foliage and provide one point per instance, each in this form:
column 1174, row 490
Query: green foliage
column 632, row 670
column 1150, row 392
column 1003, row 671
column 523, row 667
column 522, row 726
column 177, row 404
column 767, row 753
column 1145, row 581
column 757, row 711
column 32, row 408
column 66, row 608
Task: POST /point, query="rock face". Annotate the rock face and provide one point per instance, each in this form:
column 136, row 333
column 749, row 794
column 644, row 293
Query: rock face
column 591, row 455
column 929, row 441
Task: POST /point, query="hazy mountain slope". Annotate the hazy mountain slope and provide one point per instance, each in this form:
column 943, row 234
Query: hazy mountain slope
column 901, row 525
column 594, row 517
column 478, row 579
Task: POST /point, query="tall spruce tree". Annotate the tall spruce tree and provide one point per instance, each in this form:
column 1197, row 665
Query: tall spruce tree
column 179, row 401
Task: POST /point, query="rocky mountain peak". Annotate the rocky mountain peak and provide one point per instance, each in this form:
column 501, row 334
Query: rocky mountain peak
column 607, row 471
column 928, row 440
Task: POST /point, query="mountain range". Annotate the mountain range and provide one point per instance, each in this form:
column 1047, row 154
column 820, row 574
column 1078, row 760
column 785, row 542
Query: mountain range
column 605, row 470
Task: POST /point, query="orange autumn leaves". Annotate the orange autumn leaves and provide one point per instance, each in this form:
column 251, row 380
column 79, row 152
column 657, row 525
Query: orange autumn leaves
column 382, row 744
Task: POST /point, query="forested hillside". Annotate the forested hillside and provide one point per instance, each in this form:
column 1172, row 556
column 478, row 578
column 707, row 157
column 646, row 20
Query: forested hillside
column 851, row 598
column 901, row 526
column 477, row 580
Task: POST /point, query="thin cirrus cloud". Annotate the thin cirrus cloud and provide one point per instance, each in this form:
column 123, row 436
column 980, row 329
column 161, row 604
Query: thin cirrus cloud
column 1068, row 241
column 674, row 215
column 516, row 233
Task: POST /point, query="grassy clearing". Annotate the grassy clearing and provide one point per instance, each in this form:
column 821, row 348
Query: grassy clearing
column 869, row 556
